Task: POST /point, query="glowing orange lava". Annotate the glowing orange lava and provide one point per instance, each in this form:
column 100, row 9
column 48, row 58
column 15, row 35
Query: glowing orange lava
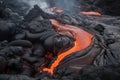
column 83, row 40
column 55, row 9
column 91, row 13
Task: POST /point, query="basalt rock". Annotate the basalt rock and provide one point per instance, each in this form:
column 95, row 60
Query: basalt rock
column 20, row 7
column 109, row 7
column 22, row 43
column 30, row 43
column 15, row 77
column 6, row 30
column 3, row 64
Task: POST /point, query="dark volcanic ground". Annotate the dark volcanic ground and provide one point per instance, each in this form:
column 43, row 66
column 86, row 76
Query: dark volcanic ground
column 22, row 50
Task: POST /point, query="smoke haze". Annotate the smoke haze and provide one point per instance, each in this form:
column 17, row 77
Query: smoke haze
column 67, row 5
column 41, row 3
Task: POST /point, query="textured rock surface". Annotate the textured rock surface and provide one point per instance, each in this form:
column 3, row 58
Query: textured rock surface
column 24, row 42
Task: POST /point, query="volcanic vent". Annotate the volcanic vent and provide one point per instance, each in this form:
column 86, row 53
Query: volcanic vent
column 59, row 40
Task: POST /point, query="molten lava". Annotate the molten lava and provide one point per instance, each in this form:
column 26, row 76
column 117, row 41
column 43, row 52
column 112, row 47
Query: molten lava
column 91, row 13
column 55, row 9
column 83, row 40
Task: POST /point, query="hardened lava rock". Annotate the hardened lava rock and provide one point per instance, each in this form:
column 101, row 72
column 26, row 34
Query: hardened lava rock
column 26, row 40
column 15, row 77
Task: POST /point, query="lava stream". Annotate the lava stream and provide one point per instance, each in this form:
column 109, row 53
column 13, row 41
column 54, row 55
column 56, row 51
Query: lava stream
column 91, row 13
column 83, row 40
column 55, row 9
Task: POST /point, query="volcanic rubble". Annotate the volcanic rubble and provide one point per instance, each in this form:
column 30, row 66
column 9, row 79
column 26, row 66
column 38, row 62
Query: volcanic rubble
column 23, row 54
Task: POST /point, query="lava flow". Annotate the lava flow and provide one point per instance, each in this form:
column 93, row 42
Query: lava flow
column 55, row 9
column 83, row 40
column 91, row 13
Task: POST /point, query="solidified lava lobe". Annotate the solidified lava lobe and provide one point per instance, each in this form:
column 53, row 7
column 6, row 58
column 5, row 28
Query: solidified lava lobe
column 83, row 40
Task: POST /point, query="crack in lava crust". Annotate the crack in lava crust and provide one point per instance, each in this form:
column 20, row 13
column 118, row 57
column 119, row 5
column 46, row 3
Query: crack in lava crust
column 83, row 40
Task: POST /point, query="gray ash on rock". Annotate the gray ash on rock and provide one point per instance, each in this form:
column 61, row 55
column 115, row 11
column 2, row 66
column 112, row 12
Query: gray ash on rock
column 16, row 6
